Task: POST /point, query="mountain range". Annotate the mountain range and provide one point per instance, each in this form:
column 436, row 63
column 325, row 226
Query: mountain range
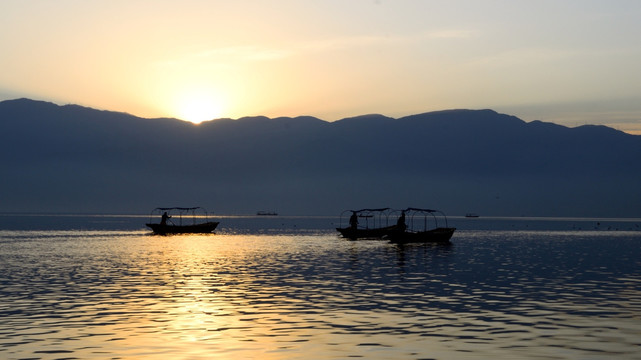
column 74, row 159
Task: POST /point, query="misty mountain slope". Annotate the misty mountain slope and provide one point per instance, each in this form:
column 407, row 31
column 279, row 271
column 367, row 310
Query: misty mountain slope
column 75, row 159
column 490, row 142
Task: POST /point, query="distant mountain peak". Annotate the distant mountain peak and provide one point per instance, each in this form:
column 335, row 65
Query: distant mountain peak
column 366, row 120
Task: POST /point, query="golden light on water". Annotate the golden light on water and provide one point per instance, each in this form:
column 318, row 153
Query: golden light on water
column 300, row 295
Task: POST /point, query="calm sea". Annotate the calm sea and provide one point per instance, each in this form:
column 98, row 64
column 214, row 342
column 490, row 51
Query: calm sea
column 102, row 287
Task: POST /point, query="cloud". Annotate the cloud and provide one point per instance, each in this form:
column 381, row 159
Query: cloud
column 525, row 55
column 226, row 56
column 407, row 40
column 345, row 42
column 244, row 53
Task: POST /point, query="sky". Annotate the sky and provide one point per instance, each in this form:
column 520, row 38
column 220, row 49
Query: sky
column 571, row 62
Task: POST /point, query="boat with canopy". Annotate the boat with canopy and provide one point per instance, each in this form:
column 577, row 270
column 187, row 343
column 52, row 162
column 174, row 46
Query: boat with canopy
column 423, row 226
column 365, row 223
column 181, row 220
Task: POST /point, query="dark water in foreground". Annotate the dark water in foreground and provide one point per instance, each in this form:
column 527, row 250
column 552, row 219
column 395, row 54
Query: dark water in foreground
column 290, row 288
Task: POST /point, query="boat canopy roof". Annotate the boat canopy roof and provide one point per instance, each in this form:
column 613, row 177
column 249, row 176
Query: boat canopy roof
column 369, row 210
column 178, row 208
column 421, row 210
column 425, row 213
column 379, row 217
column 195, row 211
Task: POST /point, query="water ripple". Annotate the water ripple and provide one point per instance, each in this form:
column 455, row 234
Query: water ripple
column 490, row 294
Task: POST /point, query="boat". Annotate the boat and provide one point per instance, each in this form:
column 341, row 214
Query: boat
column 366, row 224
column 420, row 230
column 471, row 215
column 437, row 235
column 267, row 213
column 181, row 220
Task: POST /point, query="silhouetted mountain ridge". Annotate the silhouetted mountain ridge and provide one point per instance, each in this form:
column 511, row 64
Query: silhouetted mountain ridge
column 77, row 159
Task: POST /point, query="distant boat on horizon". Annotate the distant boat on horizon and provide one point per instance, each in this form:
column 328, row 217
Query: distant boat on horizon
column 471, row 215
column 266, row 213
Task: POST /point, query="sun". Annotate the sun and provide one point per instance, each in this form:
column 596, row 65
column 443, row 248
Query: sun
column 197, row 108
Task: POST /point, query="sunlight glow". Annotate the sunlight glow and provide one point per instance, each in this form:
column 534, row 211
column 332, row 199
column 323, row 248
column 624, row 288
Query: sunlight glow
column 197, row 107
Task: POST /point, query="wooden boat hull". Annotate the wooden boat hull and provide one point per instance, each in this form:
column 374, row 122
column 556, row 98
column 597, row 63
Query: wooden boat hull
column 376, row 233
column 203, row 228
column 438, row 235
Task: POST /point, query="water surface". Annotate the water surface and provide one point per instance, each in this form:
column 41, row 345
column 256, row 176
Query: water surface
column 291, row 290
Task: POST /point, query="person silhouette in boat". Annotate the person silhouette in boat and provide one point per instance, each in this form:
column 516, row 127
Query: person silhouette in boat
column 400, row 223
column 164, row 218
column 353, row 220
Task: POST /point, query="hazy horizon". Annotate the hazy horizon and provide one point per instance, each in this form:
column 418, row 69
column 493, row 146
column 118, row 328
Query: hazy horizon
column 76, row 159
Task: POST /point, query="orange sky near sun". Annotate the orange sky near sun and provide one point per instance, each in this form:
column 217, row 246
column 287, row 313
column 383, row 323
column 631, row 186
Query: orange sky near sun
column 569, row 63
